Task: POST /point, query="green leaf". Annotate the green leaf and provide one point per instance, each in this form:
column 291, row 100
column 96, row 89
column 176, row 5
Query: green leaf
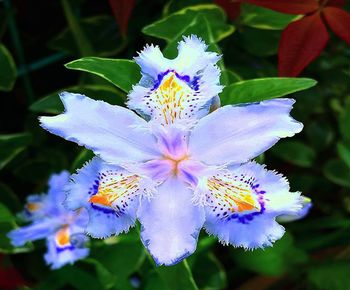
column 7, row 224
column 9, row 198
column 11, row 145
column 101, row 30
column 83, row 43
column 272, row 261
column 344, row 121
column 295, row 152
column 67, row 277
column 332, row 275
column 208, row 272
column 174, row 26
column 121, row 259
column 8, row 71
column 344, row 153
column 258, row 42
column 5, row 214
column 263, row 18
column 338, row 172
column 320, row 134
column 120, row 72
column 257, row 90
column 177, row 277
column 206, row 21
column 52, row 103
column 84, row 156
column 106, row 278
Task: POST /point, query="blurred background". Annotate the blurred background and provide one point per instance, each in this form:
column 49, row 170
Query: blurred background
column 38, row 37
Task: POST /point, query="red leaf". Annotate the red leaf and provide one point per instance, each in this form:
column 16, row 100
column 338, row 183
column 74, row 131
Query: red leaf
column 301, row 42
column 339, row 21
column 122, row 11
column 232, row 8
column 336, row 3
column 287, row 6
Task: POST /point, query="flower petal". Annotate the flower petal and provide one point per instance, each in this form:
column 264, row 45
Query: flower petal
column 113, row 132
column 243, row 203
column 110, row 195
column 178, row 89
column 61, row 250
column 170, row 223
column 236, row 134
column 294, row 216
column 33, row 232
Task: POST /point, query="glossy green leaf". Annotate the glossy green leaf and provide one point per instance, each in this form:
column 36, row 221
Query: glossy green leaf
column 52, row 104
column 272, row 261
column 11, row 145
column 177, row 277
column 257, row 90
column 8, row 71
column 120, row 72
column 174, row 26
column 263, row 18
column 295, row 152
column 338, row 172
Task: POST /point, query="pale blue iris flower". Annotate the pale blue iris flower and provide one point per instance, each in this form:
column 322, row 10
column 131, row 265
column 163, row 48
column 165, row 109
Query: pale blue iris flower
column 62, row 229
column 178, row 168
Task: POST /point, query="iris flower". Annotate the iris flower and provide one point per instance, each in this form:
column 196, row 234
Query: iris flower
column 174, row 165
column 62, row 229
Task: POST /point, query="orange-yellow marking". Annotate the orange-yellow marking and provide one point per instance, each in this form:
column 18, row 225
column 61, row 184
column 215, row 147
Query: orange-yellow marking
column 62, row 236
column 239, row 198
column 108, row 193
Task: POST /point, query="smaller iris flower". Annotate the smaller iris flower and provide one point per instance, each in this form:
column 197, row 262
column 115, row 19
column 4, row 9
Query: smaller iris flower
column 179, row 168
column 62, row 229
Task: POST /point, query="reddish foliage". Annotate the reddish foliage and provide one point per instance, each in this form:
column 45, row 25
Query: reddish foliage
column 336, row 3
column 339, row 21
column 122, row 11
column 287, row 6
column 232, row 8
column 10, row 278
column 301, row 42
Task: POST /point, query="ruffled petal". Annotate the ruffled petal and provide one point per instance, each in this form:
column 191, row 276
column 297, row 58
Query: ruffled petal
column 194, row 57
column 177, row 90
column 294, row 216
column 170, row 223
column 236, row 134
column 33, row 232
column 109, row 193
column 116, row 134
column 61, row 249
column 242, row 204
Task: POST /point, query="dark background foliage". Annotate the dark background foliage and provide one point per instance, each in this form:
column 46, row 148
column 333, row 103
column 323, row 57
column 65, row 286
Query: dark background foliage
column 42, row 36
